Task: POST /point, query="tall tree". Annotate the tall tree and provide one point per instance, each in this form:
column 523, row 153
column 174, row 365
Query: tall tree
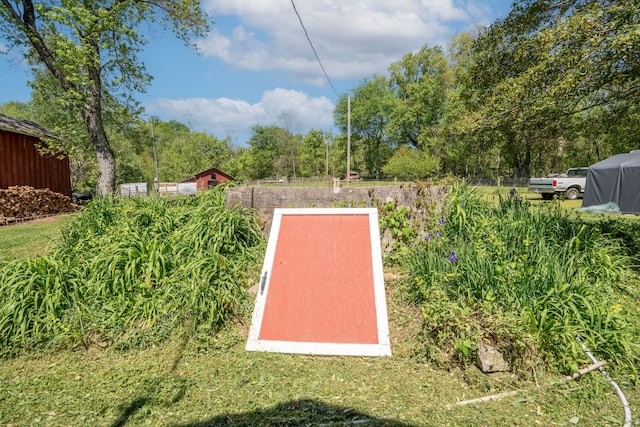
column 292, row 142
column 453, row 145
column 420, row 82
column 267, row 151
column 551, row 65
column 315, row 152
column 240, row 164
column 90, row 47
column 124, row 132
column 372, row 105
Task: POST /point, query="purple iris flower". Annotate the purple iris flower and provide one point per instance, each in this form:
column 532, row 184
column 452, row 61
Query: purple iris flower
column 453, row 257
column 427, row 237
column 438, row 234
column 442, row 220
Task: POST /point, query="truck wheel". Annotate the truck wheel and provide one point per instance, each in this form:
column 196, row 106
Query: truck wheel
column 572, row 193
column 547, row 196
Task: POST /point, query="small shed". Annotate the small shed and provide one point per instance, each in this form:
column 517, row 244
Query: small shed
column 617, row 180
column 21, row 163
column 209, row 178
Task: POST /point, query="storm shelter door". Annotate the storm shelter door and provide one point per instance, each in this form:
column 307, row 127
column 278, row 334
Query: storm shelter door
column 322, row 287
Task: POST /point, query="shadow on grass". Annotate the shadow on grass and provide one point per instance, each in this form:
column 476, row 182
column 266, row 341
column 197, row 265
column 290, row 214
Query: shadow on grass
column 130, row 411
column 157, row 393
column 303, row 412
column 165, row 389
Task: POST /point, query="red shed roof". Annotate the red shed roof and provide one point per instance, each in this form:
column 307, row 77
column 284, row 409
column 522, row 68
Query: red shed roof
column 209, row 172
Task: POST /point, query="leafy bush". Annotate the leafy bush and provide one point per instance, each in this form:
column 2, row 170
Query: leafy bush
column 400, row 225
column 409, row 164
column 556, row 278
column 397, row 219
column 130, row 271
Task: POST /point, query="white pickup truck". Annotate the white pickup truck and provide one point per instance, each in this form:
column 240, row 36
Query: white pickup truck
column 571, row 184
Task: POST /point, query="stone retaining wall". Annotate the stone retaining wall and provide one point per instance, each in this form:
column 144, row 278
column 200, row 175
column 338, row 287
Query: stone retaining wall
column 266, row 199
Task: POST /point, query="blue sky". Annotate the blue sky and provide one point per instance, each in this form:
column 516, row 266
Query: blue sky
column 256, row 65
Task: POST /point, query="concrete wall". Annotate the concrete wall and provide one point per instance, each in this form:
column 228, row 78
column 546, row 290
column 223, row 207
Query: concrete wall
column 265, row 199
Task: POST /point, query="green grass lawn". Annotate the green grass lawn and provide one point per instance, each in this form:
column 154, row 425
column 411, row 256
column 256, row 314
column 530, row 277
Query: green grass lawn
column 179, row 384
column 30, row 238
column 491, row 193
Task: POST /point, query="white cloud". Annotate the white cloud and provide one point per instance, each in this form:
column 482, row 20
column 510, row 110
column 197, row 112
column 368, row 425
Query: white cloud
column 241, row 49
column 3, row 48
column 353, row 39
column 224, row 116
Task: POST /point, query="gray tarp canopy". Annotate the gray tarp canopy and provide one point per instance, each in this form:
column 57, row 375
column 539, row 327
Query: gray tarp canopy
column 616, row 179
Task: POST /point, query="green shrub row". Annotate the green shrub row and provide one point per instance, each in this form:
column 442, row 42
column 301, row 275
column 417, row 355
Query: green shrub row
column 528, row 280
column 129, row 272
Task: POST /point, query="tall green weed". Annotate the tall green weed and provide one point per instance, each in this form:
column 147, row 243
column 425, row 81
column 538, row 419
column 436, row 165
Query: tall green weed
column 132, row 271
column 555, row 278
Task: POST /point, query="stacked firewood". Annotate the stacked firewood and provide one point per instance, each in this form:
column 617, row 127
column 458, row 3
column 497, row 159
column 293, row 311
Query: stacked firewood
column 28, row 202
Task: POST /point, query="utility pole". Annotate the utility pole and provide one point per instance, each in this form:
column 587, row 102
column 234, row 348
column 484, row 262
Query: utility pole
column 326, row 161
column 498, row 169
column 155, row 159
column 348, row 140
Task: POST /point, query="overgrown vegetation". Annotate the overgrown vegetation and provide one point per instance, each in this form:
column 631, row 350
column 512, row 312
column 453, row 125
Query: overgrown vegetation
column 528, row 280
column 130, row 272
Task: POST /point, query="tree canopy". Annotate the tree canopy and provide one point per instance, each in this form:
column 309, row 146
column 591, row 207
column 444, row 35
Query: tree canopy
column 90, row 48
column 545, row 75
column 552, row 85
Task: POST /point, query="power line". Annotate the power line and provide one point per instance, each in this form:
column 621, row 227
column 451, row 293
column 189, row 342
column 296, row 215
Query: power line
column 314, row 49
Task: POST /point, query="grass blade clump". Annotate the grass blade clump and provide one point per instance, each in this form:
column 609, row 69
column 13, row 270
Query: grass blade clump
column 530, row 280
column 132, row 271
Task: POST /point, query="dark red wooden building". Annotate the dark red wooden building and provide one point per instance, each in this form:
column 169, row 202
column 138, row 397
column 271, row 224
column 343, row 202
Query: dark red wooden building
column 209, row 178
column 22, row 164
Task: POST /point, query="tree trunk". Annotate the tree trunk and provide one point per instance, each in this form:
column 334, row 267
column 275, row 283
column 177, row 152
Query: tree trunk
column 104, row 154
column 92, row 114
column 106, row 169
